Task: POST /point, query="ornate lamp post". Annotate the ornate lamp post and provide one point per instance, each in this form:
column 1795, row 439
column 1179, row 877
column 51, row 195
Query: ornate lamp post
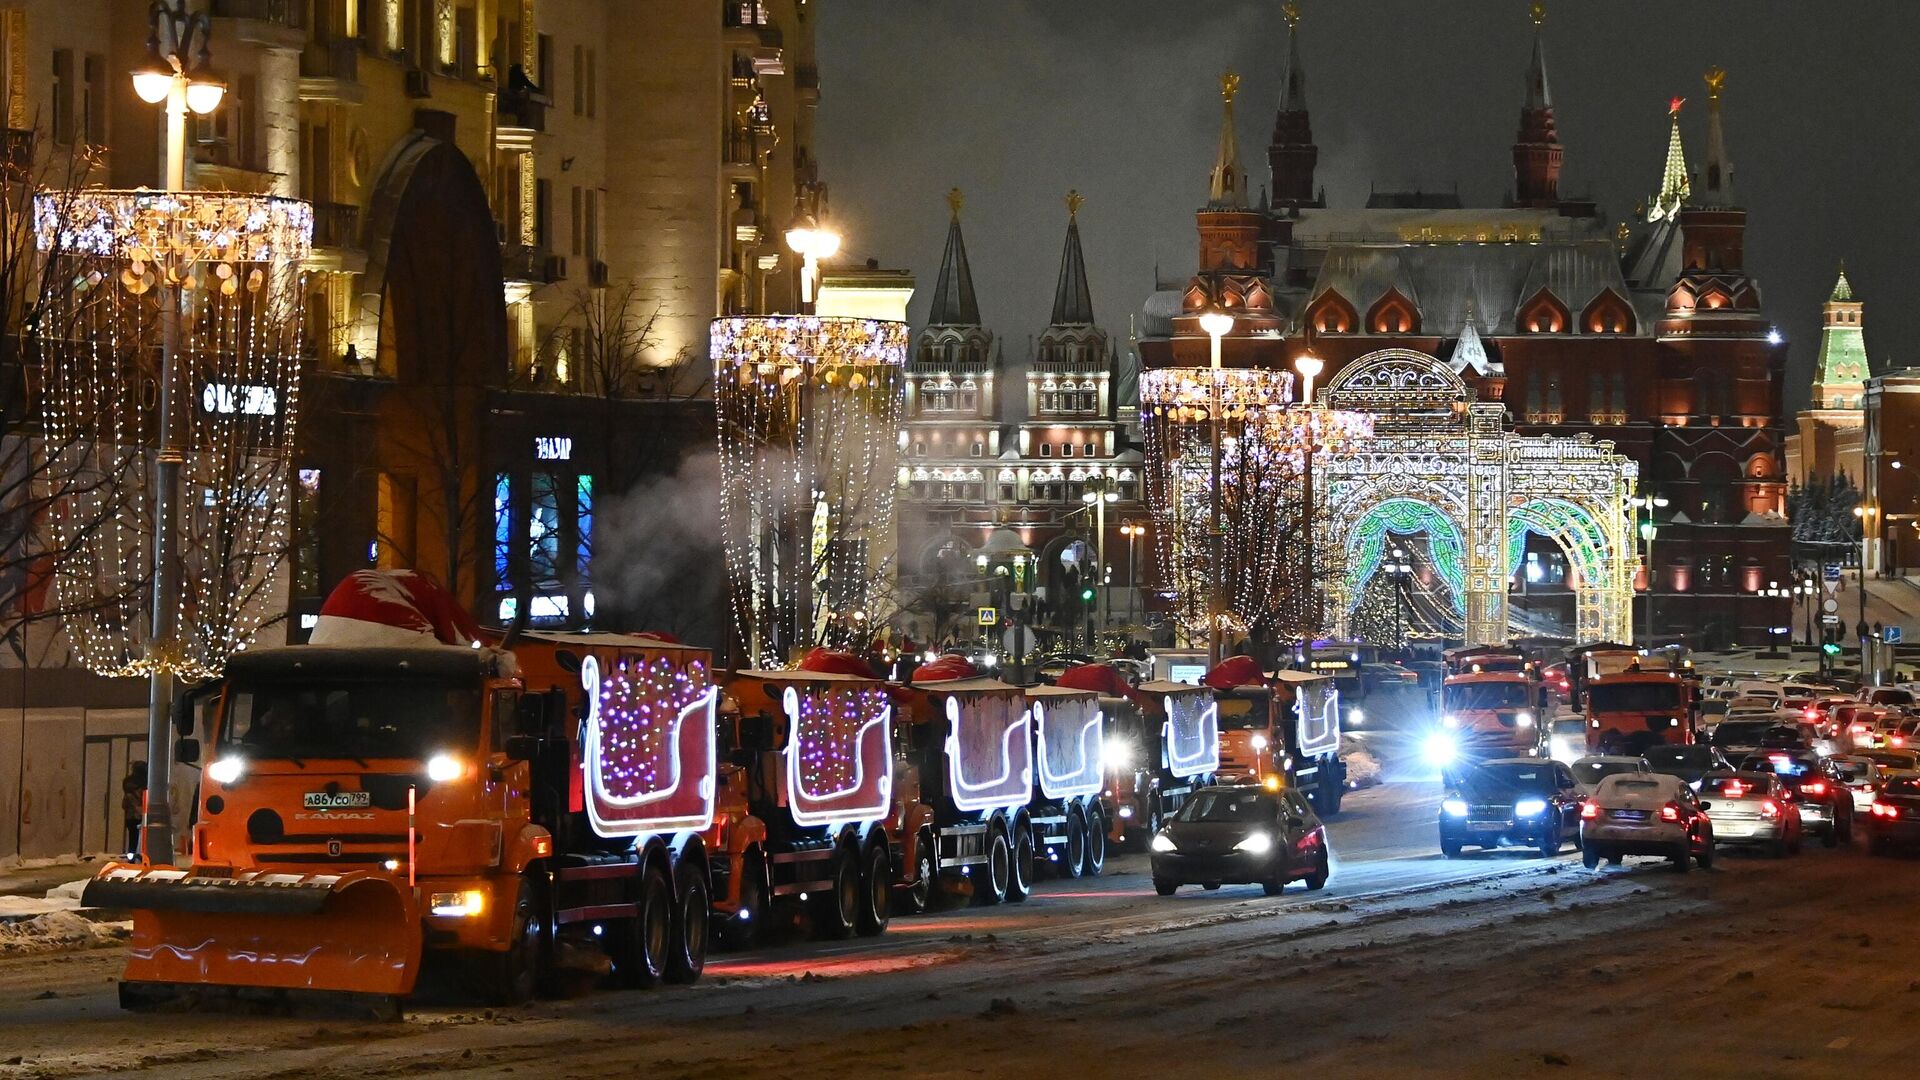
column 1216, row 323
column 1646, row 530
column 1133, row 531
column 1399, row 570
column 812, row 242
column 1309, row 366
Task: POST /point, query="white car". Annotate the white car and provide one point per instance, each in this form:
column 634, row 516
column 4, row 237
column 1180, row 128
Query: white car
column 1891, row 696
column 1590, row 770
column 1645, row 814
column 1860, row 775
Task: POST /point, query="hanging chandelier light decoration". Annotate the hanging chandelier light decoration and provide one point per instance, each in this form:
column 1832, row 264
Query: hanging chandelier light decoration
column 1265, row 449
column 229, row 266
column 809, row 419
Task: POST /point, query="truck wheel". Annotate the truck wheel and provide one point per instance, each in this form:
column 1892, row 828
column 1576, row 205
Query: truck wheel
column 876, row 879
column 640, row 944
column 511, row 974
column 1020, row 885
column 997, row 870
column 1096, row 845
column 692, row 900
column 917, row 897
column 742, row 928
column 837, row 910
column 1076, row 846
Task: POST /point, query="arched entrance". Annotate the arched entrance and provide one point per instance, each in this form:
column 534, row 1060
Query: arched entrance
column 1445, row 465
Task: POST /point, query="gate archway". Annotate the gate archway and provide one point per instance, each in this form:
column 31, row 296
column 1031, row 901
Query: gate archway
column 1479, row 486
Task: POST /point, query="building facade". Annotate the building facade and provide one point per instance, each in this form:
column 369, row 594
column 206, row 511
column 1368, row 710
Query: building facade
column 1014, row 472
column 1648, row 333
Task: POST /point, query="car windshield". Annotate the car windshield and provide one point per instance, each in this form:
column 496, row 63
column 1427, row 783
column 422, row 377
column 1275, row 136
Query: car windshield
column 1851, row 770
column 1733, row 786
column 345, row 718
column 1486, row 695
column 1592, row 772
column 1905, row 786
column 1629, row 786
column 1493, row 782
column 1568, row 725
column 1228, row 807
column 1634, row 697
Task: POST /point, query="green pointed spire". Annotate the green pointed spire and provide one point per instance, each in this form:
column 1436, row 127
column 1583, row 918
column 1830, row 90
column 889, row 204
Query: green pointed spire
column 1841, row 372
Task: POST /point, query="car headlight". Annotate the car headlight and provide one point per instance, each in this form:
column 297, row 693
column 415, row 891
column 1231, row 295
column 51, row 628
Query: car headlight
column 1441, row 749
column 1524, row 719
column 1454, row 807
column 1450, row 720
column 1163, row 842
column 1259, row 742
column 1356, row 716
column 1529, row 807
column 442, row 768
column 1257, row 843
column 226, row 770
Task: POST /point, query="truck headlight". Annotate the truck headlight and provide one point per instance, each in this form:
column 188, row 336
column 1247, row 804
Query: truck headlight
column 1524, row 719
column 1259, row 742
column 1116, row 755
column 1162, row 842
column 1529, row 807
column 1356, row 716
column 442, row 768
column 1441, row 749
column 226, row 770
column 1256, row 843
column 1450, row 720
column 459, row 905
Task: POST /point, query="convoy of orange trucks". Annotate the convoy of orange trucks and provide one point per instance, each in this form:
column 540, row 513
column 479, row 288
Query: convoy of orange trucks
column 408, row 790
column 1491, row 705
column 1641, row 706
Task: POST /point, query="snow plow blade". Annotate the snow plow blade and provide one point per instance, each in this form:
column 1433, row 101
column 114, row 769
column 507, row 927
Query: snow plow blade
column 356, row 932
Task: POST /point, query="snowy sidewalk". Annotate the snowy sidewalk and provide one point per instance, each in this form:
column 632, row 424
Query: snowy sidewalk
column 40, row 911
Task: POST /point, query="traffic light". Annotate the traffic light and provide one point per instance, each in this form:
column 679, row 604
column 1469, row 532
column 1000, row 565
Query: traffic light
column 1086, row 594
column 1831, row 648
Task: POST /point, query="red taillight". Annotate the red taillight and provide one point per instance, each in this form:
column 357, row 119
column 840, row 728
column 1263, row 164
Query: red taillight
column 1881, row 809
column 1589, row 810
column 1670, row 812
column 1734, row 789
column 1769, row 808
column 1812, row 714
column 1897, row 740
column 1859, row 729
column 1814, row 787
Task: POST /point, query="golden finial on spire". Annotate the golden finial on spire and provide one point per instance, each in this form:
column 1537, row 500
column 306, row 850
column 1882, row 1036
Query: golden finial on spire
column 1716, row 78
column 955, row 201
column 1539, row 13
column 1229, row 85
column 1074, row 199
column 1290, row 11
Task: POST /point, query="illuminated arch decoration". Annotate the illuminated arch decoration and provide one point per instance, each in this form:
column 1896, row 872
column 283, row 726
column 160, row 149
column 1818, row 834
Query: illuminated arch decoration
column 1444, row 463
column 1367, row 545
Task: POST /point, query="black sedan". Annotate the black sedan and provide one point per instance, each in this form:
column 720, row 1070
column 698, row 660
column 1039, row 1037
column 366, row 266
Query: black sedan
column 1896, row 813
column 1246, row 834
column 1826, row 806
column 1528, row 802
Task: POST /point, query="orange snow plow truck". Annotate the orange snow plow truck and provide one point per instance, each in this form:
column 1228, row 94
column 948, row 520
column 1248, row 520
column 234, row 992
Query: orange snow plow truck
column 398, row 789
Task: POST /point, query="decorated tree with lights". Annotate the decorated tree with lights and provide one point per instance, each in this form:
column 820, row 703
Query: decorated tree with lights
column 809, row 416
column 1269, row 564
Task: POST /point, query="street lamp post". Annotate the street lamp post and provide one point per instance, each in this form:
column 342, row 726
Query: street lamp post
column 812, row 242
column 1216, row 323
column 1868, row 514
column 1399, row 570
column 1309, row 366
column 1646, row 528
column 1098, row 496
column 1132, row 531
column 177, row 73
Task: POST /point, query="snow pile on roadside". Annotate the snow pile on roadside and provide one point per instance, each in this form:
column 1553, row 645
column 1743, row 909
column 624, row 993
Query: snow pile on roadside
column 59, row 931
column 1363, row 769
column 59, row 898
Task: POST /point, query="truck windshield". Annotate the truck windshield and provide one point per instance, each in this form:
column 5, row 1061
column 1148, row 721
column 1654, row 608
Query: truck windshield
column 1633, row 697
column 1486, row 695
column 334, row 718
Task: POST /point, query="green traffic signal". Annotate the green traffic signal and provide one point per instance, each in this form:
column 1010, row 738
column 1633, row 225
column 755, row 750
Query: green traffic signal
column 1086, row 594
column 1830, row 648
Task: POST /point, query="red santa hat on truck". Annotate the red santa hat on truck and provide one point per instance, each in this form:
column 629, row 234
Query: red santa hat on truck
column 392, row 608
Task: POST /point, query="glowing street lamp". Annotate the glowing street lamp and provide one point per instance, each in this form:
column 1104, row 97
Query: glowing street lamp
column 812, row 242
column 1216, row 323
column 179, row 75
column 1132, row 530
column 1309, row 366
column 1647, row 530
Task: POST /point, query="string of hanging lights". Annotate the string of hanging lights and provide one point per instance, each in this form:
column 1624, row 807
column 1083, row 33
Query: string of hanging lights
column 809, row 414
column 229, row 265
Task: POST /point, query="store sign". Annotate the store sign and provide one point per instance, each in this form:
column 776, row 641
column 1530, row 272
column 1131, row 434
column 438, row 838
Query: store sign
column 246, row 400
column 553, row 448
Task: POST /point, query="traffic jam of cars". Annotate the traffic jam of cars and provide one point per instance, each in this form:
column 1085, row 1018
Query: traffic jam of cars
column 1623, row 752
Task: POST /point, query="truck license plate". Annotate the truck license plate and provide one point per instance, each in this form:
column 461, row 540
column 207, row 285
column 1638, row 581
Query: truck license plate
column 338, row 800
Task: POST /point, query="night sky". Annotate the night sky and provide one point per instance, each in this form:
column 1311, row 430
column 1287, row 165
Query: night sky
column 1015, row 101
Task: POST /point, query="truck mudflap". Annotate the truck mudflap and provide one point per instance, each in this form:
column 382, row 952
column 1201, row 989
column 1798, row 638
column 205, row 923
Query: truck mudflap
column 357, row 932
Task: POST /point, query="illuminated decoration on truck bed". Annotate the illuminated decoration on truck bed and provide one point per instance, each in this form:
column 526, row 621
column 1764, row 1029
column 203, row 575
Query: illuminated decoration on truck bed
column 1070, row 745
column 989, row 754
column 840, row 754
column 649, row 754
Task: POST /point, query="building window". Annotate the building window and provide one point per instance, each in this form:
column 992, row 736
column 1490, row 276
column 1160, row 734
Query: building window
column 306, row 524
column 62, row 95
column 978, row 448
column 542, row 212
column 93, row 101
column 579, row 219
column 543, row 77
column 1006, row 492
column 1046, row 449
column 919, row 449
column 593, row 224
column 502, row 533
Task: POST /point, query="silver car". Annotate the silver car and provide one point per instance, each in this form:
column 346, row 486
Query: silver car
column 1753, row 808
